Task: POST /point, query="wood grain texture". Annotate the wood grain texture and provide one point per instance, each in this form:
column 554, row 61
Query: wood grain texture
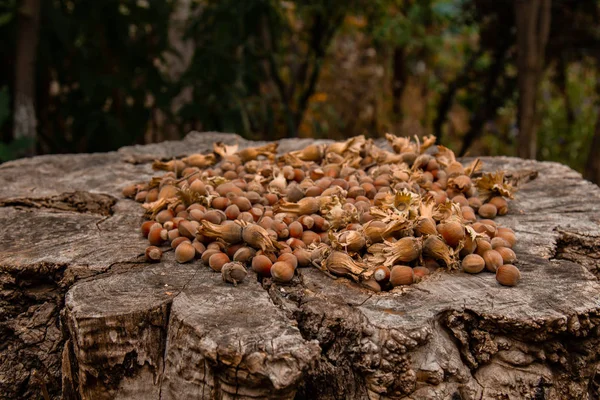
column 84, row 317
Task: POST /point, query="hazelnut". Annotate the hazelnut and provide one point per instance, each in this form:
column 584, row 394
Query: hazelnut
column 487, row 211
column 289, row 258
column 147, row 226
column 508, row 275
column 382, row 274
column 473, row 264
column 508, row 256
column 217, row 260
column 493, row 260
column 153, row 254
column 261, row 264
column 282, row 271
column 452, row 232
column 500, row 203
column 185, row 252
column 401, row 275
column 177, row 241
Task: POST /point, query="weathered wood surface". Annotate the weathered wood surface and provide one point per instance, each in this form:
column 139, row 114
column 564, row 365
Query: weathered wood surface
column 83, row 316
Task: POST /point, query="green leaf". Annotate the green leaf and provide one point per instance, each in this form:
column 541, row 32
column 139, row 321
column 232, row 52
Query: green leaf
column 14, row 149
column 446, row 9
column 5, row 18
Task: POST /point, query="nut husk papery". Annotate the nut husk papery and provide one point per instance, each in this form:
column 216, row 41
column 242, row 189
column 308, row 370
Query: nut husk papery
column 341, row 264
column 258, row 237
column 233, row 272
column 306, row 206
column 425, row 226
column 434, row 247
column 230, row 231
column 251, row 153
column 377, row 234
column 406, row 249
column 351, row 241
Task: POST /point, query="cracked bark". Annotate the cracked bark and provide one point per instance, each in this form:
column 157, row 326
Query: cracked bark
column 82, row 311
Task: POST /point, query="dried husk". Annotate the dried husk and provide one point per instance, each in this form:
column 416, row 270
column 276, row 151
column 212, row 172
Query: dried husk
column 230, row 232
column 167, row 191
column 225, row 150
column 258, row 237
column 341, row 264
column 318, row 252
column 233, row 272
column 406, row 249
column 200, row 160
column 444, row 156
column 493, row 184
column 251, row 153
column 474, row 167
column 406, row 203
column 174, row 165
column 386, row 157
column 377, row 234
column 278, row 184
column 428, row 141
column 351, row 241
column 375, row 254
column 306, row 206
column 292, row 160
column 434, row 247
column 447, row 211
column 156, row 206
column 400, row 144
column 425, row 226
column 332, row 209
column 460, row 183
column 314, row 152
column 189, row 197
column 352, row 146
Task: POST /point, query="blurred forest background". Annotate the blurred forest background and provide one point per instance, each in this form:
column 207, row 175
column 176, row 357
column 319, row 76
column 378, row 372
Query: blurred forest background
column 515, row 77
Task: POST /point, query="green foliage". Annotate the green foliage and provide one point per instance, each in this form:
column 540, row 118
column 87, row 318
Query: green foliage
column 14, row 149
column 256, row 63
column 226, row 72
column 257, row 70
column 103, row 59
column 559, row 138
column 7, row 11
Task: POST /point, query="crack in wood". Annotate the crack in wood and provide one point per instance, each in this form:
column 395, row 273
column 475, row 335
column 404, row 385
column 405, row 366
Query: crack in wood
column 580, row 248
column 78, row 201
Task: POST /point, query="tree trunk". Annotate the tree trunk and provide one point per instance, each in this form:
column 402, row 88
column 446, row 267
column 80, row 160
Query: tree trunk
column 25, row 122
column 533, row 27
column 495, row 92
column 81, row 309
column 398, row 81
column 447, row 97
column 592, row 166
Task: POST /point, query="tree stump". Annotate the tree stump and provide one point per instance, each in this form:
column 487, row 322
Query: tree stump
column 83, row 316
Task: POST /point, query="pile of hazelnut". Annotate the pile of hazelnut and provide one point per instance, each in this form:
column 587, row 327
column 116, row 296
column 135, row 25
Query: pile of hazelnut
column 353, row 209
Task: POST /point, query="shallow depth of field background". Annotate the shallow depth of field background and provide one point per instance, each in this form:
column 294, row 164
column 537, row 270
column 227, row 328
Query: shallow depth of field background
column 105, row 74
